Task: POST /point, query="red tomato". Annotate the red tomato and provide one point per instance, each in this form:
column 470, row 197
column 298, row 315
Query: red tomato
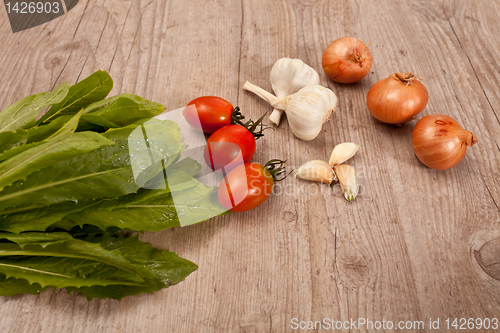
column 208, row 114
column 229, row 147
column 245, row 187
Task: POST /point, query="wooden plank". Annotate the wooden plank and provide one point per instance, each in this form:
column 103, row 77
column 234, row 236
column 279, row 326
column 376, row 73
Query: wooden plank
column 404, row 250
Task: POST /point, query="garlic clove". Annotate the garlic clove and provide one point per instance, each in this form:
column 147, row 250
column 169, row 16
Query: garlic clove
column 342, row 152
column 287, row 77
column 348, row 179
column 308, row 109
column 318, row 171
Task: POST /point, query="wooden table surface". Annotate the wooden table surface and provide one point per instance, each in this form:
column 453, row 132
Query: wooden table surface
column 404, row 250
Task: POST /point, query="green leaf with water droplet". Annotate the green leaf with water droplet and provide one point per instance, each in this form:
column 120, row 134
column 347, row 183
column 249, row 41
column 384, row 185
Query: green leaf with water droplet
column 101, row 173
column 23, row 113
column 20, row 166
column 92, row 89
column 104, row 265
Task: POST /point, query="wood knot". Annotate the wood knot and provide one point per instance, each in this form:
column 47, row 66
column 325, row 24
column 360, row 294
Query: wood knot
column 488, row 258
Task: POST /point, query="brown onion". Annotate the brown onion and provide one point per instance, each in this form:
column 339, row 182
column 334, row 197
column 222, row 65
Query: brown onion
column 397, row 99
column 347, row 60
column 440, row 142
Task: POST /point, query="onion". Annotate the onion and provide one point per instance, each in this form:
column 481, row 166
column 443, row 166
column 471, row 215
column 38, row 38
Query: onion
column 397, row 99
column 347, row 60
column 440, row 142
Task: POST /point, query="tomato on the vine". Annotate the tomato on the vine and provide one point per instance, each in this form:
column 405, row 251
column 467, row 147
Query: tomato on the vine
column 248, row 185
column 208, row 114
column 229, row 147
column 233, row 145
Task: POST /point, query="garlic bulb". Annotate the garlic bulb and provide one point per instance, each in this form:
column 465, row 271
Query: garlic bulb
column 287, row 77
column 306, row 110
column 317, row 170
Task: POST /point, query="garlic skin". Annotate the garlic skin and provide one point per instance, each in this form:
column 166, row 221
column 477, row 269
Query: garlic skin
column 306, row 110
column 318, row 171
column 348, row 179
column 287, row 77
column 342, row 152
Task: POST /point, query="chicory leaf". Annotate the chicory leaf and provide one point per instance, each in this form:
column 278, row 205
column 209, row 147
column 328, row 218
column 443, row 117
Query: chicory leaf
column 90, row 122
column 12, row 139
column 125, row 109
column 187, row 165
column 23, row 113
column 69, row 127
column 92, row 89
column 58, row 127
column 38, row 217
column 17, row 150
column 64, row 147
column 99, row 265
column 59, row 260
column 104, row 172
column 11, row 286
column 36, row 238
column 168, row 267
column 62, row 245
column 42, row 132
column 63, row 272
column 153, row 210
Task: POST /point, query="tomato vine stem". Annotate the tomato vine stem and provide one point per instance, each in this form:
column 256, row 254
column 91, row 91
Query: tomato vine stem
column 254, row 127
column 277, row 169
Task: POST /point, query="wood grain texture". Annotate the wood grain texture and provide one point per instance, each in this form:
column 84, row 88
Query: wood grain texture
column 406, row 249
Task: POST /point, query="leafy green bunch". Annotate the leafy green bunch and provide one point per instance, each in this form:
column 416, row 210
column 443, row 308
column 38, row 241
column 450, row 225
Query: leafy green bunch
column 68, row 191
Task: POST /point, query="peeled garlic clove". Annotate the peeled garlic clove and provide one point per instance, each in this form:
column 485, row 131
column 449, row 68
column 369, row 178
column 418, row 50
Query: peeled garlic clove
column 318, row 171
column 308, row 109
column 348, row 179
column 287, row 77
column 342, row 152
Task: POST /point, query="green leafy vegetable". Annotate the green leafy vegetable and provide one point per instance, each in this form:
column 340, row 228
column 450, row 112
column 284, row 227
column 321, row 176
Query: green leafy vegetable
column 153, row 210
column 13, row 139
column 34, row 136
column 23, row 113
column 17, row 150
column 89, row 168
column 92, row 89
column 61, row 245
column 58, row 127
column 104, row 172
column 13, row 286
column 64, row 147
column 168, row 267
column 105, row 265
column 37, row 217
column 93, row 122
column 42, row 132
column 40, row 218
column 69, row 127
column 124, row 109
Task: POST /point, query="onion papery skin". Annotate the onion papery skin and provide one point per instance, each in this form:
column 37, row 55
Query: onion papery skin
column 395, row 101
column 440, row 142
column 347, row 60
